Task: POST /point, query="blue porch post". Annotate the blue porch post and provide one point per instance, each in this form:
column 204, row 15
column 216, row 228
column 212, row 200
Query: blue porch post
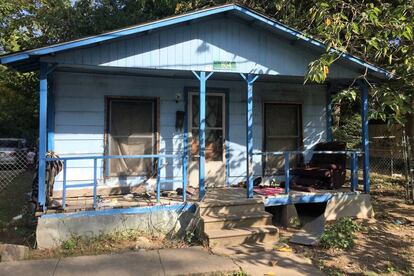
column 50, row 121
column 365, row 140
column 185, row 149
column 329, row 136
column 202, row 132
column 250, row 79
column 42, row 134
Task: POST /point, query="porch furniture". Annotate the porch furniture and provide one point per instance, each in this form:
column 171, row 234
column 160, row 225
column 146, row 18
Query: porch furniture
column 324, row 170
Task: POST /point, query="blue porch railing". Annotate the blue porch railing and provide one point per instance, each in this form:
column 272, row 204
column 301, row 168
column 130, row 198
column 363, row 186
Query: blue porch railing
column 161, row 159
column 353, row 154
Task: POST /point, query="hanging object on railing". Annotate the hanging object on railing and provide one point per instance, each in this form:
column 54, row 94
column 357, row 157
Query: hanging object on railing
column 53, row 168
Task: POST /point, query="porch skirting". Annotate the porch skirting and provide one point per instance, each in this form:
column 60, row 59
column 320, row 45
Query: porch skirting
column 54, row 229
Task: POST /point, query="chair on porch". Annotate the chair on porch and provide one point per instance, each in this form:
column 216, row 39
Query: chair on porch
column 324, row 171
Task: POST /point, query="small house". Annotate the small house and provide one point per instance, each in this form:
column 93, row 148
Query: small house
column 211, row 99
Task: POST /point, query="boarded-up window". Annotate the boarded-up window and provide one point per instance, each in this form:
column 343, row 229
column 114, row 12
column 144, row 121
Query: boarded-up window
column 283, row 132
column 131, row 132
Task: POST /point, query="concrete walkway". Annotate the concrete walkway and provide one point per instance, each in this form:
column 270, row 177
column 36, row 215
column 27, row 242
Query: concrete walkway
column 186, row 261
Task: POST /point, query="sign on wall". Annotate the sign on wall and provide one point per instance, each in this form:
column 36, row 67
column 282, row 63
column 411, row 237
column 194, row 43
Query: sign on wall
column 224, row 65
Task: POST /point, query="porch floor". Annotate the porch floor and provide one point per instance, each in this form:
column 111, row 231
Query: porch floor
column 76, row 204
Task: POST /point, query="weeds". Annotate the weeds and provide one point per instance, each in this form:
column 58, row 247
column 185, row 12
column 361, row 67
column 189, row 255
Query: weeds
column 340, row 235
column 109, row 243
column 238, row 273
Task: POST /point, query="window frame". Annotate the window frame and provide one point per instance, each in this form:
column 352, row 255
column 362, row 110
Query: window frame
column 107, row 113
column 299, row 138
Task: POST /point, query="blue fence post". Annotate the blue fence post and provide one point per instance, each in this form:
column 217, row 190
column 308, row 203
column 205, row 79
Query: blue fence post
column 287, row 173
column 64, row 185
column 365, row 140
column 185, row 175
column 329, row 136
column 354, row 171
column 250, row 79
column 159, row 179
column 95, row 182
column 202, row 132
column 42, row 135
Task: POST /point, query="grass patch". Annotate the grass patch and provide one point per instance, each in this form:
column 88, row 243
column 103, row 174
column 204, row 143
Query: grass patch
column 109, row 243
column 238, row 273
column 340, row 235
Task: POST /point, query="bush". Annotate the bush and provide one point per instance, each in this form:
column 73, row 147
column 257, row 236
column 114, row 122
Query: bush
column 341, row 234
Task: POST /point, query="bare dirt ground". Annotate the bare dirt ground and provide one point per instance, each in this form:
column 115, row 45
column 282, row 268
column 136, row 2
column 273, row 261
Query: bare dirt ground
column 384, row 246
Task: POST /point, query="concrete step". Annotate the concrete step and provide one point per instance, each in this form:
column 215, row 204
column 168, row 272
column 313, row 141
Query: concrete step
column 238, row 236
column 216, row 222
column 241, row 208
column 239, row 201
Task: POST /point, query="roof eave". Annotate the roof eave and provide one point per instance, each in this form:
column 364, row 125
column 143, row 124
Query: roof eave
column 11, row 59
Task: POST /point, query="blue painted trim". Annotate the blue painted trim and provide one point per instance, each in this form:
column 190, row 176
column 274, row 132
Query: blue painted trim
column 354, row 172
column 202, row 135
column 42, row 135
column 159, row 163
column 227, row 137
column 289, row 199
column 95, row 182
column 202, row 132
column 64, row 185
column 171, row 180
column 348, row 152
column 51, row 121
column 250, row 79
column 365, row 139
column 287, row 173
column 80, row 185
column 329, row 135
column 181, row 19
column 13, row 58
column 180, row 207
column 115, row 157
column 185, row 145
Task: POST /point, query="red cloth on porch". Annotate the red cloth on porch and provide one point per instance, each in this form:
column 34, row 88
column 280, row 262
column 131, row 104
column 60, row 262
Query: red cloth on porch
column 268, row 191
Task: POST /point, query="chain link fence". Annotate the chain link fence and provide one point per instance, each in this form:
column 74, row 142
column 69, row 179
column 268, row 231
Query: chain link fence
column 387, row 156
column 388, row 150
column 14, row 163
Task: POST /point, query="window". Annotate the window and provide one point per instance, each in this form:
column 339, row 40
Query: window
column 132, row 131
column 283, row 132
column 214, row 126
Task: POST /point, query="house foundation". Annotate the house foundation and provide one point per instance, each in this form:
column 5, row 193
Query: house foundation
column 54, row 229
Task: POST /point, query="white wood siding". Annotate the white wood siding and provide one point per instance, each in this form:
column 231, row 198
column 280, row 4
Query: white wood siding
column 196, row 46
column 80, row 118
